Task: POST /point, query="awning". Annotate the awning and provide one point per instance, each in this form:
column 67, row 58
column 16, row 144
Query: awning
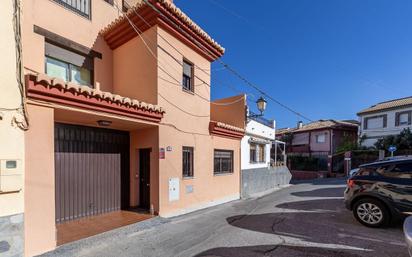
column 258, row 140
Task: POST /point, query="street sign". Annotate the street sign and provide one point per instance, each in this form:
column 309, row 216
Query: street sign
column 392, row 149
column 162, row 153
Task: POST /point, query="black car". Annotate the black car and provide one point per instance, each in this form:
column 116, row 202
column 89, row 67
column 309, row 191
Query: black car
column 380, row 191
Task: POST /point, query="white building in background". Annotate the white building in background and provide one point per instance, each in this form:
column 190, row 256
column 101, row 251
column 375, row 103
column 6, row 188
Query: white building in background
column 257, row 143
column 384, row 119
column 259, row 173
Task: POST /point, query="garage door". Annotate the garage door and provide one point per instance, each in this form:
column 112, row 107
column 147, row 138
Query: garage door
column 92, row 171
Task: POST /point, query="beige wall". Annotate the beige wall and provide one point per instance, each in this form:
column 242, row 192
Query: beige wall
column 135, row 72
column 139, row 139
column 66, row 23
column 207, row 187
column 186, row 123
column 11, row 137
column 39, row 218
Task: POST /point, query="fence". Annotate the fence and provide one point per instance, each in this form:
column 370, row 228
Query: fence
column 308, row 163
column 360, row 157
column 338, row 163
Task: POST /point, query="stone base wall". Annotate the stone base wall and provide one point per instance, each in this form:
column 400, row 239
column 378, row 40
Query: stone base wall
column 261, row 180
column 11, row 236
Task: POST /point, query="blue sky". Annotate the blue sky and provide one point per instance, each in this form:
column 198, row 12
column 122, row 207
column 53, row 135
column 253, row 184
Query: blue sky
column 324, row 58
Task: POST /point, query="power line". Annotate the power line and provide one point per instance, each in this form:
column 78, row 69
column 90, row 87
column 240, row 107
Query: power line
column 233, row 71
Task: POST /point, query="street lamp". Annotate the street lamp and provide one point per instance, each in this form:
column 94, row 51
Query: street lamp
column 261, row 105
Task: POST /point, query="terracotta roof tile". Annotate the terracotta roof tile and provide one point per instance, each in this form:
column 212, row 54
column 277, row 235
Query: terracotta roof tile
column 318, row 125
column 229, row 127
column 171, row 7
column 402, row 102
column 56, row 82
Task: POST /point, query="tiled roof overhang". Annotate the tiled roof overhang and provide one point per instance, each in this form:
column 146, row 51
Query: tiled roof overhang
column 225, row 130
column 120, row 31
column 405, row 102
column 53, row 90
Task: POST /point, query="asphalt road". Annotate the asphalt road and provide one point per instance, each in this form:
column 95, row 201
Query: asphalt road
column 306, row 219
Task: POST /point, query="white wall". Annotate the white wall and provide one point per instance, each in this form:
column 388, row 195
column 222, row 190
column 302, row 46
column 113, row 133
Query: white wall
column 11, row 137
column 373, row 134
column 260, row 131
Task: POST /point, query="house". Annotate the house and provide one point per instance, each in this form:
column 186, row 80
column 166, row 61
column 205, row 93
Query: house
column 320, row 138
column 384, row 119
column 121, row 118
column 258, row 172
column 12, row 126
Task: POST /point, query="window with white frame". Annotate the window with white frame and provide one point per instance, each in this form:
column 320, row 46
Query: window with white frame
column 257, row 153
column 252, row 153
column 261, row 153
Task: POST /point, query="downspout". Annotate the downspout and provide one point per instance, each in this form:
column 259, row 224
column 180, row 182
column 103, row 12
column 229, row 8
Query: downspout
column 21, row 120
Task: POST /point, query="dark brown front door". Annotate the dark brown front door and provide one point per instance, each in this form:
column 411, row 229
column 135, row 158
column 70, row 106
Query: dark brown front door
column 92, row 171
column 144, row 176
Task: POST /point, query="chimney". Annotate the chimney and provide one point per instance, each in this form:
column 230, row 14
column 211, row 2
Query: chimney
column 300, row 124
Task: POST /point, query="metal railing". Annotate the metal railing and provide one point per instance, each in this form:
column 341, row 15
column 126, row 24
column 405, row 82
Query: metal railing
column 82, row 7
column 260, row 119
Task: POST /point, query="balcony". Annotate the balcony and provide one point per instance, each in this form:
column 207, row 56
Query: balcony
column 261, row 120
column 81, row 7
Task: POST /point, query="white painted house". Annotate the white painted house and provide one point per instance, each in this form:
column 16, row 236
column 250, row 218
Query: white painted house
column 385, row 118
column 258, row 176
column 256, row 144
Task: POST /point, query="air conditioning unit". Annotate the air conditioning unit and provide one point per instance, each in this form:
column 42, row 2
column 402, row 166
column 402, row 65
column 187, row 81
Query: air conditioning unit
column 11, row 175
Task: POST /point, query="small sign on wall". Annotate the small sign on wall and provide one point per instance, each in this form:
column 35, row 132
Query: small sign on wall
column 162, row 153
column 173, row 189
column 189, row 189
column 169, row 148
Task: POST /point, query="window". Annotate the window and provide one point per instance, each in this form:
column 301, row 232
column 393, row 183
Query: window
column 68, row 66
column 81, row 7
column 188, row 76
column 375, row 122
column 187, row 161
column 400, row 170
column 321, row 138
column 403, row 118
column 257, row 153
column 403, row 167
column 261, row 153
column 252, row 153
column 223, row 161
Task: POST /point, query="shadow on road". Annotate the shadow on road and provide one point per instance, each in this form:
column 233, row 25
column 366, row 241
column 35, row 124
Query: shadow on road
column 274, row 250
column 322, row 192
column 323, row 221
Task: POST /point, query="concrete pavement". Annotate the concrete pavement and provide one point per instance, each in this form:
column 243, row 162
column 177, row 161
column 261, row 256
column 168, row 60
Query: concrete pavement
column 306, row 219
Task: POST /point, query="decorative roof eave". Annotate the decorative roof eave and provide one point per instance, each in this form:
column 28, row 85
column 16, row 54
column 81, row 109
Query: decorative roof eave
column 225, row 130
column 120, row 31
column 54, row 90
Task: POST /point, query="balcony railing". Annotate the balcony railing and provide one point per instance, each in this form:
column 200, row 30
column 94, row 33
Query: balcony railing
column 261, row 120
column 82, row 7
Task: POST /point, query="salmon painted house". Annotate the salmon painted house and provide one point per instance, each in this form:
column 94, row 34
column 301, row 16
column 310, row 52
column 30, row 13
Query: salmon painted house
column 121, row 122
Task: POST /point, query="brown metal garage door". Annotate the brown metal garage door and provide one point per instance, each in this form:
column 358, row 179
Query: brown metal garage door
column 92, row 171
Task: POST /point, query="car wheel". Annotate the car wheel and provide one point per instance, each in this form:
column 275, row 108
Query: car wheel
column 371, row 213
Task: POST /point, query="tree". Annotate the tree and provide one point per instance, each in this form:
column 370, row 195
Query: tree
column 403, row 141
